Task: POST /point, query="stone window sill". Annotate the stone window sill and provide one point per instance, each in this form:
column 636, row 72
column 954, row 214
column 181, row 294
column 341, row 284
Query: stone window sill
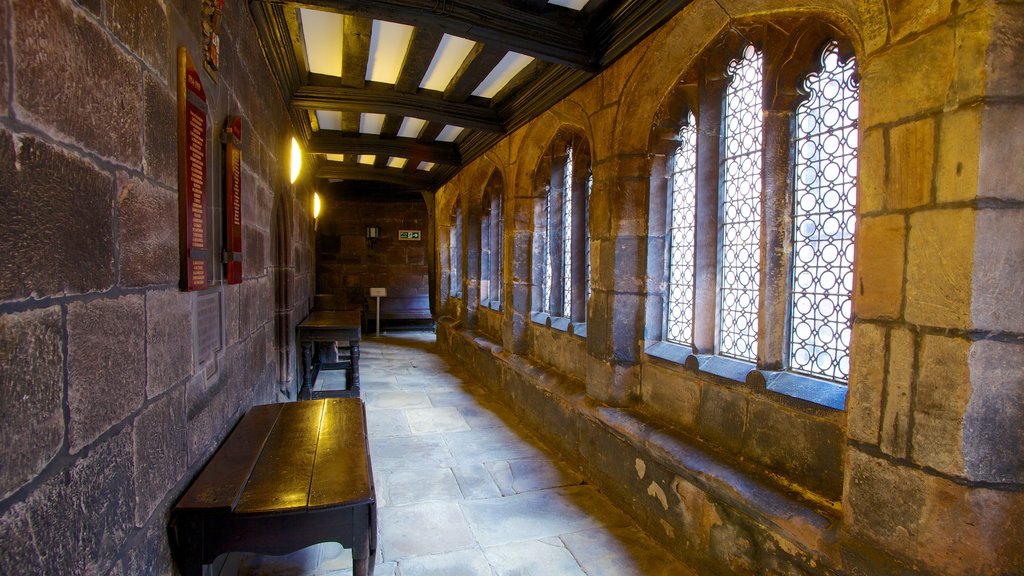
column 560, row 323
column 789, row 384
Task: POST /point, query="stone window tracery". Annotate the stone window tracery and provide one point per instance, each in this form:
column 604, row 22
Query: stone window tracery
column 750, row 266
column 563, row 231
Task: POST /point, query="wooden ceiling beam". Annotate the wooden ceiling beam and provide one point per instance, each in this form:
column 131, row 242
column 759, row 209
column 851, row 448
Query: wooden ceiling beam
column 387, row 101
column 556, row 36
column 355, row 51
column 333, row 142
column 422, row 48
column 481, row 61
column 345, row 171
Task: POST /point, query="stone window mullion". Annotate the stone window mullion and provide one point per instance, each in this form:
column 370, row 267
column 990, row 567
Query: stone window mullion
column 709, row 130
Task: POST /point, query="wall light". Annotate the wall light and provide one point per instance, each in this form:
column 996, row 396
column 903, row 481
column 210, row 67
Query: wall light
column 372, row 234
column 296, row 160
column 316, row 205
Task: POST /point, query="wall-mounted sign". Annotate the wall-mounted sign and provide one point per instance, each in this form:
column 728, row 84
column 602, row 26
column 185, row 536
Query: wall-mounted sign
column 233, row 200
column 192, row 123
column 408, row 234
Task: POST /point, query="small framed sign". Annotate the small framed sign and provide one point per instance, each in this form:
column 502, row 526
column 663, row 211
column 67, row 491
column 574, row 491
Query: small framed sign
column 408, row 234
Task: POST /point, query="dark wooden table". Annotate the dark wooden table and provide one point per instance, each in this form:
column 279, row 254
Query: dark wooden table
column 330, row 326
column 288, row 476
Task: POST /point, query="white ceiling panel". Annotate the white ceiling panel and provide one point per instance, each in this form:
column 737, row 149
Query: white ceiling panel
column 328, row 120
column 371, row 123
column 389, row 44
column 450, row 55
column 450, row 133
column 411, row 127
column 322, row 33
column 574, row 4
column 512, row 64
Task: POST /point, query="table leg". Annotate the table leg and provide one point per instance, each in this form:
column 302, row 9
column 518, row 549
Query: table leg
column 307, row 371
column 355, row 365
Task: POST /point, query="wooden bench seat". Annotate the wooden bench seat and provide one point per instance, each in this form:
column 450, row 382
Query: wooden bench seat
column 288, row 476
column 399, row 310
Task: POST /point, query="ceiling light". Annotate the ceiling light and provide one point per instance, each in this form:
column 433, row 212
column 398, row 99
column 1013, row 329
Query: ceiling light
column 322, row 33
column 512, row 64
column 425, row 166
column 450, row 55
column 335, row 157
column 389, row 43
column 366, row 159
column 397, row 162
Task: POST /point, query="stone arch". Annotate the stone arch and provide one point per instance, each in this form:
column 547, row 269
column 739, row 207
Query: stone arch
column 283, row 275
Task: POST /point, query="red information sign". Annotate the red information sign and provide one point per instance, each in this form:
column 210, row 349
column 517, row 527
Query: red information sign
column 192, row 124
column 233, row 193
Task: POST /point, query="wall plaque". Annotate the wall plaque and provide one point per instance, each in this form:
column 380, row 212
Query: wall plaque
column 192, row 124
column 233, row 200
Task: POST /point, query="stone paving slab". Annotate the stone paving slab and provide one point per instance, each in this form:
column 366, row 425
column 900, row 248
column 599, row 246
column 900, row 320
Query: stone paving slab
column 431, row 420
column 404, row 452
column 387, row 422
column 531, row 515
column 547, row 557
column 612, row 552
column 527, row 475
column 422, row 529
column 415, row 486
column 489, row 445
column 476, row 482
column 469, row 562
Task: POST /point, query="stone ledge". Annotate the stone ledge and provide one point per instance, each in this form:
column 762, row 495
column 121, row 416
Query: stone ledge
column 797, row 532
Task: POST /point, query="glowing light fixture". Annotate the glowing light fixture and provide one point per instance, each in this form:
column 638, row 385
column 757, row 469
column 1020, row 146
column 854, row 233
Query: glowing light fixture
column 316, row 205
column 296, row 160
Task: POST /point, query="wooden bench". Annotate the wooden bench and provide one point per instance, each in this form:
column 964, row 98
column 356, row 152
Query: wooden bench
column 288, row 476
column 399, row 309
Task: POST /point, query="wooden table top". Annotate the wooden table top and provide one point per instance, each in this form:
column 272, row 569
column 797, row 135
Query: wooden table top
column 288, row 457
column 331, row 319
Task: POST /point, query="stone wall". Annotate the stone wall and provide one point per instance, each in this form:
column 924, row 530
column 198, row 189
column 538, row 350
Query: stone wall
column 348, row 266
column 105, row 412
column 922, row 471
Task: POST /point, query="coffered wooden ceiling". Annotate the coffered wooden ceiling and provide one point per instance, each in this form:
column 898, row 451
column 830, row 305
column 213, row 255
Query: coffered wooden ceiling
column 397, row 95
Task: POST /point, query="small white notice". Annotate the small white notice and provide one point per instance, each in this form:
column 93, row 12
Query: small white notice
column 382, row 292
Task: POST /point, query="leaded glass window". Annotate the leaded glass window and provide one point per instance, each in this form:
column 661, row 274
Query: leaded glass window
column 545, row 297
column 682, row 205
column 567, row 235
column 740, row 235
column 824, row 210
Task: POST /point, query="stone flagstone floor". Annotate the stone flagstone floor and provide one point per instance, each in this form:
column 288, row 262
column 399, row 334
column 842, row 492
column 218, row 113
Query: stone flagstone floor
column 464, row 489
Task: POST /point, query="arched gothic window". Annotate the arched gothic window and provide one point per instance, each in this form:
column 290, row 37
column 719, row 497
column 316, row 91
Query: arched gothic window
column 735, row 252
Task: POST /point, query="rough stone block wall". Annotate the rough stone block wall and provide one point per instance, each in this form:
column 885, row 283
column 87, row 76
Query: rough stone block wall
column 348, row 266
column 105, row 413
column 922, row 471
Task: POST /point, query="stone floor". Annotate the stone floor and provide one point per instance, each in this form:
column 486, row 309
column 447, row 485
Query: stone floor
column 464, row 489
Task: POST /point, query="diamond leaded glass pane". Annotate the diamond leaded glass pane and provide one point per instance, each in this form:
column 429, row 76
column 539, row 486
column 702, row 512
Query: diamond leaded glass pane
column 682, row 227
column 740, row 233
column 567, row 235
column 546, row 249
column 824, row 209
